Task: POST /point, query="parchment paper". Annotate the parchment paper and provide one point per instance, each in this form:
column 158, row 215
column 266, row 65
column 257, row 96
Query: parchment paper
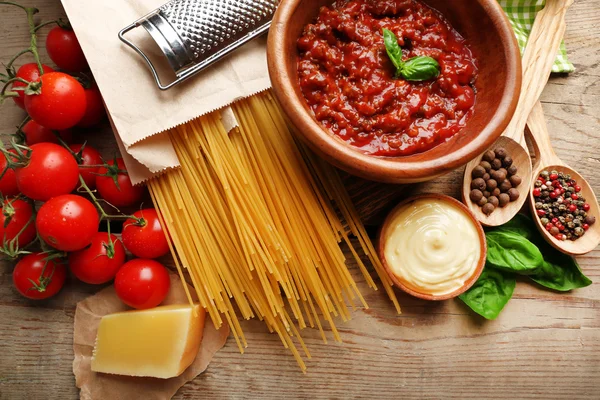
column 98, row 386
column 137, row 107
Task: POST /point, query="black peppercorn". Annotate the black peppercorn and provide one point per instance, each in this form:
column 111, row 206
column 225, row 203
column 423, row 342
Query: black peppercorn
column 515, row 180
column 501, row 152
column 504, row 186
column 478, row 172
column 489, row 156
column 590, row 220
column 486, row 165
column 478, row 183
column 488, row 208
column 475, row 195
column 493, row 200
column 503, row 199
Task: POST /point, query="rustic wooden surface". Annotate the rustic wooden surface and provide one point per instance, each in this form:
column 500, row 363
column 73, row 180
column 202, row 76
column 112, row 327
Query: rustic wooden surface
column 544, row 345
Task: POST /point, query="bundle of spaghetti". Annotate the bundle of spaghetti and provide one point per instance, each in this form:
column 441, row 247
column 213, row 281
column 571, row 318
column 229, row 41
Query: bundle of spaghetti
column 252, row 221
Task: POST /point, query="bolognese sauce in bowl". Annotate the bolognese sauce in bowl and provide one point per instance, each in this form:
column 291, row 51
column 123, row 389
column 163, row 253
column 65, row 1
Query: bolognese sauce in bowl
column 408, row 107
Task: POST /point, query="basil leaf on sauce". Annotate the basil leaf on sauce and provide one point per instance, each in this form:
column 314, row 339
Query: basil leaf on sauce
column 419, row 68
column 393, row 49
column 488, row 296
column 512, row 252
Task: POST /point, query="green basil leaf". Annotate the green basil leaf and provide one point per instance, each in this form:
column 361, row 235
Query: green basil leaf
column 558, row 271
column 420, row 68
column 393, row 49
column 488, row 296
column 562, row 277
column 511, row 252
column 520, row 224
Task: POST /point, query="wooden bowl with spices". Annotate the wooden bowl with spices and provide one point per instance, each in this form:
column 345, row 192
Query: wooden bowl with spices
column 406, row 105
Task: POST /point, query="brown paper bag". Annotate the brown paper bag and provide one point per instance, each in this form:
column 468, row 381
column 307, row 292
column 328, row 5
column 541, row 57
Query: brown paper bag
column 138, row 109
column 99, row 386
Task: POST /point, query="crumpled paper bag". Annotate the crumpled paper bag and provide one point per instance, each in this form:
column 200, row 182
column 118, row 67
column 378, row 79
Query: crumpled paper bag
column 99, row 386
column 137, row 108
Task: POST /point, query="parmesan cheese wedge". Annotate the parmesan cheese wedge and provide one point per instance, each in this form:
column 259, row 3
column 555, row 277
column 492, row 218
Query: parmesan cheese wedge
column 159, row 342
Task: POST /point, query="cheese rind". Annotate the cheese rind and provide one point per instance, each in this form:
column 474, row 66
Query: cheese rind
column 160, row 342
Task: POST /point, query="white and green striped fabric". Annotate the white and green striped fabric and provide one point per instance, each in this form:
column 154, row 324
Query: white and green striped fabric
column 521, row 14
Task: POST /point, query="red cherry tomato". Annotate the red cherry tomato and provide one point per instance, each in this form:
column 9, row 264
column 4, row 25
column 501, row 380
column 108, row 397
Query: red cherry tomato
column 99, row 262
column 94, row 110
column 30, row 73
column 142, row 283
column 8, row 182
column 16, row 222
column 64, row 49
column 61, row 103
column 67, row 222
column 37, row 278
column 35, row 133
column 89, row 156
column 123, row 195
column 51, row 171
column 145, row 238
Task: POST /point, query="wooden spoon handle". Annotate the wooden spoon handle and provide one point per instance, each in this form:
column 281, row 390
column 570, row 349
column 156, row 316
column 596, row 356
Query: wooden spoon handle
column 540, row 137
column 544, row 41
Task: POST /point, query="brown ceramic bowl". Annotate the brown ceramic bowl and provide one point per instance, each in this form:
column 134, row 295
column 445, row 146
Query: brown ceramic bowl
column 491, row 38
column 383, row 235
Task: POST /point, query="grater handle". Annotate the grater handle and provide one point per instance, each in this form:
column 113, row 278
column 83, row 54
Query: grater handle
column 144, row 56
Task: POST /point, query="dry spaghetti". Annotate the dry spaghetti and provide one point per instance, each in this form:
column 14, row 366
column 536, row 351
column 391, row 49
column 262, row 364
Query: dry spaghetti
column 252, row 219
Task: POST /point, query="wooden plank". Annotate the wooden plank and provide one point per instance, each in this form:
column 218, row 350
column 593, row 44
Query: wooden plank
column 544, row 344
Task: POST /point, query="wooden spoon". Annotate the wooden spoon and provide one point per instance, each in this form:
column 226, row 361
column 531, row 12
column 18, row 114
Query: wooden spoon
column 548, row 160
column 544, row 41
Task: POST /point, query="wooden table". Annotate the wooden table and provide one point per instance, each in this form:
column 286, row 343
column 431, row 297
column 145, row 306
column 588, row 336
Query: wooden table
column 544, row 344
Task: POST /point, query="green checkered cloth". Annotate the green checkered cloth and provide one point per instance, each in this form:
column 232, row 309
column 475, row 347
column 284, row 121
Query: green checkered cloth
column 521, row 14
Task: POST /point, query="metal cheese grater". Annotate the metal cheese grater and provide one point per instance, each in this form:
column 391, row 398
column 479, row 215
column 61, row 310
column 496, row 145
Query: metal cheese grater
column 193, row 34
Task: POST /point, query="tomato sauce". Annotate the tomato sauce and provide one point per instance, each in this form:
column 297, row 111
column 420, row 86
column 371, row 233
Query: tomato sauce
column 348, row 79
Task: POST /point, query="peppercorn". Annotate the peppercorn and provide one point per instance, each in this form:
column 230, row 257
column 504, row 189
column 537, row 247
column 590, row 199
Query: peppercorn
column 505, row 185
column 569, row 217
column 478, row 183
column 492, row 184
column 554, row 231
column 538, row 205
column 475, row 195
column 579, row 231
column 495, row 192
column 590, row 220
column 513, row 194
column 512, row 170
column 545, row 206
column 496, row 163
column 478, row 172
column 570, row 225
column 498, row 176
column 501, row 152
column 486, row 194
column 482, row 202
column 488, row 208
column 486, row 165
column 537, row 184
column 515, row 180
column 507, row 162
column 545, row 221
column 504, row 199
column 562, row 219
column 493, row 200
column 489, row 156
column 545, row 174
